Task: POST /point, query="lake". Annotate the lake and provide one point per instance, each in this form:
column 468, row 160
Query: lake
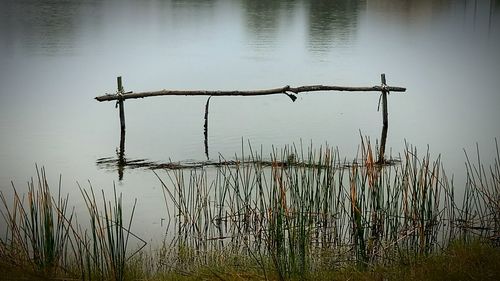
column 56, row 56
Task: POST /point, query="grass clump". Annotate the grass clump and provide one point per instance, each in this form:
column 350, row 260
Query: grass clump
column 300, row 215
column 44, row 240
column 474, row 260
column 310, row 210
column 101, row 252
column 37, row 234
column 314, row 211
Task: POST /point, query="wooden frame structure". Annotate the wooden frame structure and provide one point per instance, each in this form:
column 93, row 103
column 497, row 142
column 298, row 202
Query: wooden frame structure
column 291, row 92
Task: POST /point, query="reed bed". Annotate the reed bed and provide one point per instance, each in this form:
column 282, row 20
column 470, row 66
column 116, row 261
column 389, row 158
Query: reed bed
column 45, row 238
column 36, row 233
column 311, row 209
column 290, row 215
column 480, row 212
column 100, row 251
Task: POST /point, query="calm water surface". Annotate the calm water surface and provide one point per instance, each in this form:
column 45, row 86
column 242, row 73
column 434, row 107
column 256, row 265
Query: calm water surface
column 56, row 56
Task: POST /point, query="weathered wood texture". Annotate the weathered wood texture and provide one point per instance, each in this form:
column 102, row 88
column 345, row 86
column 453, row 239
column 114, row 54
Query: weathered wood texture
column 121, row 152
column 274, row 91
column 385, row 122
column 120, row 104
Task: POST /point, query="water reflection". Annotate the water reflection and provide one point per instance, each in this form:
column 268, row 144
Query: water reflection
column 49, row 27
column 205, row 128
column 332, row 23
column 263, row 19
column 494, row 7
column 410, row 8
column 44, row 27
column 207, row 39
column 418, row 12
column 328, row 23
column 121, row 163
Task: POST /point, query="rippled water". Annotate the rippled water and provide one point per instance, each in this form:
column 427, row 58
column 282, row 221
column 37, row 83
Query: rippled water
column 56, row 56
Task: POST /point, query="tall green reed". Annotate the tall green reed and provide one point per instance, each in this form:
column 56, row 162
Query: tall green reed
column 44, row 237
column 37, row 234
column 480, row 213
column 101, row 250
column 295, row 212
column 305, row 209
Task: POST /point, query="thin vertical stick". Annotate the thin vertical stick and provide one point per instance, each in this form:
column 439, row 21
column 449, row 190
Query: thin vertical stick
column 121, row 155
column 205, row 131
column 385, row 121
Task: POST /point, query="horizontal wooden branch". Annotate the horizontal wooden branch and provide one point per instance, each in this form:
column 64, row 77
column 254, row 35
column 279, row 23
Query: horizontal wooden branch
column 283, row 90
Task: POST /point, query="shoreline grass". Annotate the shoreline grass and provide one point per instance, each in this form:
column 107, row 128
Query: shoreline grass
column 271, row 220
column 476, row 260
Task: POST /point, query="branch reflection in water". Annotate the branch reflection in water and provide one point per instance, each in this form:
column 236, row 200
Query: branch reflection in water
column 121, row 163
column 205, row 128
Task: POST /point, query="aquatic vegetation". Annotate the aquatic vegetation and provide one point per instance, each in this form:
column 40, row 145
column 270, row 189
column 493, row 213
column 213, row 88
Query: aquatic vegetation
column 36, row 227
column 45, row 238
column 310, row 210
column 102, row 253
column 296, row 214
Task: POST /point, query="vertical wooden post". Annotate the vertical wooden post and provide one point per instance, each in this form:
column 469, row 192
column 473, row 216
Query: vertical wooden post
column 385, row 121
column 120, row 103
column 121, row 152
